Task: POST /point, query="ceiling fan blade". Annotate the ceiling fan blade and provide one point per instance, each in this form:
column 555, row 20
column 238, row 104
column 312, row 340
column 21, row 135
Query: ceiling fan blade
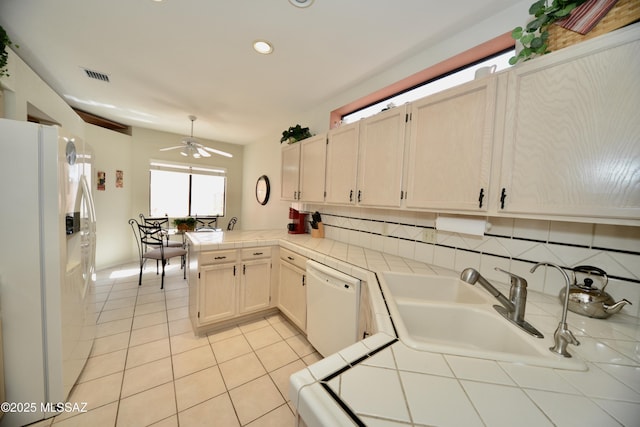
column 172, row 148
column 202, row 152
column 221, row 153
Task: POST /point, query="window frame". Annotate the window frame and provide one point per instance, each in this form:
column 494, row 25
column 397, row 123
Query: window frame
column 468, row 57
column 190, row 170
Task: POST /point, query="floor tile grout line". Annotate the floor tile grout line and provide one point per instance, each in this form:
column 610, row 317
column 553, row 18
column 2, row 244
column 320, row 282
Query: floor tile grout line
column 270, row 321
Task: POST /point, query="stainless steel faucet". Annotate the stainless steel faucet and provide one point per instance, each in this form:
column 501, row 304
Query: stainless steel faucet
column 512, row 308
column 562, row 337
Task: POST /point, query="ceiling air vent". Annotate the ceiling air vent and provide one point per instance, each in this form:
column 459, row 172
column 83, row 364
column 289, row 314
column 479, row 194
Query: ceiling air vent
column 96, row 75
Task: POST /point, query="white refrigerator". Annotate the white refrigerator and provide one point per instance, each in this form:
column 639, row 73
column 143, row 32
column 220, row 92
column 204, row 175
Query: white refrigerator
column 47, row 266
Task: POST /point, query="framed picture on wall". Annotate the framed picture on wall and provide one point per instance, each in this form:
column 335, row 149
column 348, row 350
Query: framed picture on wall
column 102, row 179
column 119, row 179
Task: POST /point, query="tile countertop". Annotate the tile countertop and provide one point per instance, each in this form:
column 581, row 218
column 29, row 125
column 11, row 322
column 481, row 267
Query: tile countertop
column 381, row 382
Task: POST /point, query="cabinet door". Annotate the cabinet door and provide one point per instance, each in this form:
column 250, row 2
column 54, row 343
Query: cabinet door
column 292, row 294
column 255, row 285
column 381, row 158
column 217, row 293
column 572, row 134
column 450, row 148
column 289, row 185
column 313, row 157
column 342, row 164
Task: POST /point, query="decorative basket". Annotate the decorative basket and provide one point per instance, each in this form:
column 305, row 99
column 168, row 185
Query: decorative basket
column 623, row 13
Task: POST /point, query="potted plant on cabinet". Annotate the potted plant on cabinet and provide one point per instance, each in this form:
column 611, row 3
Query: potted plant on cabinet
column 533, row 37
column 5, row 41
column 295, row 134
column 185, row 224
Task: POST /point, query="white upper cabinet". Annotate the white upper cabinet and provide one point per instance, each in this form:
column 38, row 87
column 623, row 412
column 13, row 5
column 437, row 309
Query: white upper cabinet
column 342, row 164
column 290, row 177
column 303, row 170
column 313, row 158
column 572, row 132
column 450, row 148
column 381, row 157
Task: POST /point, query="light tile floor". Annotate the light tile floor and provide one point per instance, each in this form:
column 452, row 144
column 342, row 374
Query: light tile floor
column 148, row 368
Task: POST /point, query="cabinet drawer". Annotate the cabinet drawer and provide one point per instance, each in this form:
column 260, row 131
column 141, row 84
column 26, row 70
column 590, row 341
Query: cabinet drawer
column 217, row 257
column 293, row 258
column 256, row 253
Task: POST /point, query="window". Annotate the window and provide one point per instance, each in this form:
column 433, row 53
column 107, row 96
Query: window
column 180, row 190
column 430, row 87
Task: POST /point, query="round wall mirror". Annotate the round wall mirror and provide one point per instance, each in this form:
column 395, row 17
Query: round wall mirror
column 263, row 189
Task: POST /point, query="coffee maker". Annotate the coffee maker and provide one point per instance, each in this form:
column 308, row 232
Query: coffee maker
column 297, row 224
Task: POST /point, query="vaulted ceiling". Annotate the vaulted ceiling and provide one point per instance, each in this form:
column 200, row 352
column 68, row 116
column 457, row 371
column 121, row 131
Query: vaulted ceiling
column 168, row 59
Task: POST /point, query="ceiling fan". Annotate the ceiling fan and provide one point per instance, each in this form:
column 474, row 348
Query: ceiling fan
column 191, row 147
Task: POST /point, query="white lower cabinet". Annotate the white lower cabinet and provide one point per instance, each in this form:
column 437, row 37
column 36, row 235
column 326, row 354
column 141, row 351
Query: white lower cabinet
column 232, row 283
column 217, row 293
column 255, row 292
column 292, row 292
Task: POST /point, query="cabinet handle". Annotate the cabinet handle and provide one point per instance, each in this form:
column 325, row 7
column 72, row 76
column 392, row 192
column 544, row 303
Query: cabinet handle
column 290, row 258
column 304, row 279
column 244, row 269
column 234, row 270
column 359, row 196
column 503, row 195
column 351, row 195
column 481, row 197
column 220, row 257
column 257, row 253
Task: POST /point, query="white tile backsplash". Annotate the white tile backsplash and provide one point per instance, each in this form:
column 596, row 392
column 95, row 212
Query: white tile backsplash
column 513, row 244
column 573, row 233
column 617, row 236
column 531, row 229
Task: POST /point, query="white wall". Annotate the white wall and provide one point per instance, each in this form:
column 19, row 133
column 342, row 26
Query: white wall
column 25, row 93
column 263, row 158
column 111, row 151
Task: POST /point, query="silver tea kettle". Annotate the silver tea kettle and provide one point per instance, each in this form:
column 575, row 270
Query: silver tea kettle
column 587, row 300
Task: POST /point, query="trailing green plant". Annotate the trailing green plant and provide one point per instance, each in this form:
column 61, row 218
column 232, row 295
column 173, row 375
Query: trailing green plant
column 294, row 134
column 534, row 35
column 4, row 55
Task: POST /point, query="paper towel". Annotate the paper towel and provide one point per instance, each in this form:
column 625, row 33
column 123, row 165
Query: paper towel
column 475, row 227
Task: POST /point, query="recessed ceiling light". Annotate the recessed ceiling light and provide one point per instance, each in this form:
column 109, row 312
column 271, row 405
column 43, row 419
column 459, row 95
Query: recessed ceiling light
column 263, row 47
column 301, row 3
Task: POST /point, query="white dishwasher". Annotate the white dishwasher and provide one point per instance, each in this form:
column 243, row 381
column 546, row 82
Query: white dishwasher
column 332, row 308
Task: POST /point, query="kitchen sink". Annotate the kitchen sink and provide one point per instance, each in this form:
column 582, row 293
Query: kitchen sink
column 433, row 288
column 446, row 315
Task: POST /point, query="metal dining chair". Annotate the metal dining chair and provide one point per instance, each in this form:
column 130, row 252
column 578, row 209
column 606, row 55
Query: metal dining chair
column 232, row 223
column 206, row 223
column 151, row 245
column 163, row 223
